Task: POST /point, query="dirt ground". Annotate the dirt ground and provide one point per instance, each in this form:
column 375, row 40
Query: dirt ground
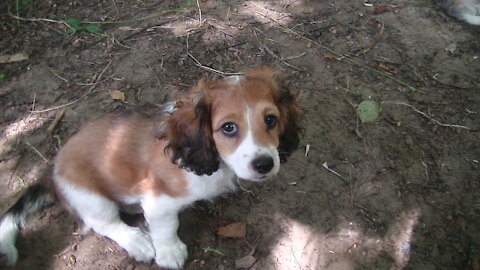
column 399, row 193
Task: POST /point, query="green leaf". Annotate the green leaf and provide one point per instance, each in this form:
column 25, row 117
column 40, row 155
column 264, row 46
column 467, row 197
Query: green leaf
column 2, row 76
column 75, row 25
column 74, row 22
column 367, row 111
column 94, row 29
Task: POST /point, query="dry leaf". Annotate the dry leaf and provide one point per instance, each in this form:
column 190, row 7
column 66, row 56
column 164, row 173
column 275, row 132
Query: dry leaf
column 248, row 260
column 379, row 10
column 13, row 58
column 329, row 56
column 233, row 230
column 245, row 262
column 117, row 95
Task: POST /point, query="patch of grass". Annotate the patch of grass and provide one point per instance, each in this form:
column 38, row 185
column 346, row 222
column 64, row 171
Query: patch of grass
column 2, row 76
column 216, row 251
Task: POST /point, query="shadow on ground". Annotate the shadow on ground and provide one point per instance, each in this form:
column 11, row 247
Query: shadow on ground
column 400, row 193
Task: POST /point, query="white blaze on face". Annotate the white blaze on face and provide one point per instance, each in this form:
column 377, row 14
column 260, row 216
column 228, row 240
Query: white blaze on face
column 241, row 160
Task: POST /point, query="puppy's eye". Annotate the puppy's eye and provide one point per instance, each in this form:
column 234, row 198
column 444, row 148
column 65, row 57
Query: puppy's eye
column 229, row 129
column 270, row 121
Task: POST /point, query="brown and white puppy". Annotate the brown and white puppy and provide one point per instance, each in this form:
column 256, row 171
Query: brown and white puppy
column 239, row 126
column 465, row 10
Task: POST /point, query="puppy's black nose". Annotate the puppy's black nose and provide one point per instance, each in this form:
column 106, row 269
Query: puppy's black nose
column 263, row 164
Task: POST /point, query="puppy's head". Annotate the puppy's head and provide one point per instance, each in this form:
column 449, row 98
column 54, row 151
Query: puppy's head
column 250, row 122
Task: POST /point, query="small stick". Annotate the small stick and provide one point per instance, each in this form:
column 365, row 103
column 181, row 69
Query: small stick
column 426, row 116
column 54, row 73
column 97, row 79
column 293, row 57
column 38, row 152
column 33, row 103
column 35, row 19
column 280, row 59
column 242, row 188
column 55, row 122
column 264, row 47
column 325, row 165
column 198, row 64
column 199, row 14
column 374, row 43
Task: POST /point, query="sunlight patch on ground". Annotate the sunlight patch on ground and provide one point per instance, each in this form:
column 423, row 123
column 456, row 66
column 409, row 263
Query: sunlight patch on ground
column 227, row 26
column 400, row 236
column 181, row 28
column 301, row 247
column 344, row 247
column 267, row 11
column 18, row 128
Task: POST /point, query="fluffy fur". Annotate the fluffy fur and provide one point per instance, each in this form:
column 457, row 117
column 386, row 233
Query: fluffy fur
column 465, row 10
column 191, row 149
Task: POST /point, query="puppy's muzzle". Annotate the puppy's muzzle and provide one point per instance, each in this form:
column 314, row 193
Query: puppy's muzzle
column 263, row 164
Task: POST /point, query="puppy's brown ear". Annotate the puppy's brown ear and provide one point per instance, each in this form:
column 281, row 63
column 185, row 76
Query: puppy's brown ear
column 291, row 120
column 189, row 136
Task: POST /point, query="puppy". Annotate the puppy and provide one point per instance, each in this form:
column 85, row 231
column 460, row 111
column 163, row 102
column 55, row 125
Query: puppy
column 466, row 10
column 191, row 149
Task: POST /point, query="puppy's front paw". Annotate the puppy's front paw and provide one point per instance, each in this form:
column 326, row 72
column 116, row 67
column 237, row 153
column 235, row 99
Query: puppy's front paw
column 171, row 255
column 8, row 254
column 138, row 244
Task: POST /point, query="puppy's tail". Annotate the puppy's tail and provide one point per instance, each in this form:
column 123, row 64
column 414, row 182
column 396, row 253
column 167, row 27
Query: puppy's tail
column 466, row 10
column 34, row 198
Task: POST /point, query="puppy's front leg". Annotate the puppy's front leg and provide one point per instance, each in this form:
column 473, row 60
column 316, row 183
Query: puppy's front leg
column 161, row 214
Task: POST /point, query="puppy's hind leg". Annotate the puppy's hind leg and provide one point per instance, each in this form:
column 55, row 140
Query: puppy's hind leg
column 102, row 215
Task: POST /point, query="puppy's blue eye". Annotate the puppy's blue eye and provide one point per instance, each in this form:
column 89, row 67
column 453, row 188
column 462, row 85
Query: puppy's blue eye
column 230, row 129
column 270, row 121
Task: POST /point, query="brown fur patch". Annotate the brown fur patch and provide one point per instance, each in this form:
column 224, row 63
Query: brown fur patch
column 118, row 155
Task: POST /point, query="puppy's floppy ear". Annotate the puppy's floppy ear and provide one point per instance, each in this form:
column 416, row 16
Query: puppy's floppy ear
column 189, row 135
column 291, row 118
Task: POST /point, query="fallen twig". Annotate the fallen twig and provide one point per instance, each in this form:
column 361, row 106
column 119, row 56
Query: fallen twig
column 325, row 165
column 55, row 122
column 281, row 59
column 198, row 64
column 38, row 152
column 97, row 79
column 374, row 43
column 425, row 115
column 35, row 19
column 58, row 76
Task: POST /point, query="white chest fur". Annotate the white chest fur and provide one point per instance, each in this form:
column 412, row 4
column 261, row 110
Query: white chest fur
column 206, row 187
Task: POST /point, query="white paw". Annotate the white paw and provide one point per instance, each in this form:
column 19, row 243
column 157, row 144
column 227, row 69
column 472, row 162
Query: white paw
column 8, row 254
column 137, row 243
column 171, row 255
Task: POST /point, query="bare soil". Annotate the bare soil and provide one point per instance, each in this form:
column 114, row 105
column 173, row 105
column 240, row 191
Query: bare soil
column 399, row 193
